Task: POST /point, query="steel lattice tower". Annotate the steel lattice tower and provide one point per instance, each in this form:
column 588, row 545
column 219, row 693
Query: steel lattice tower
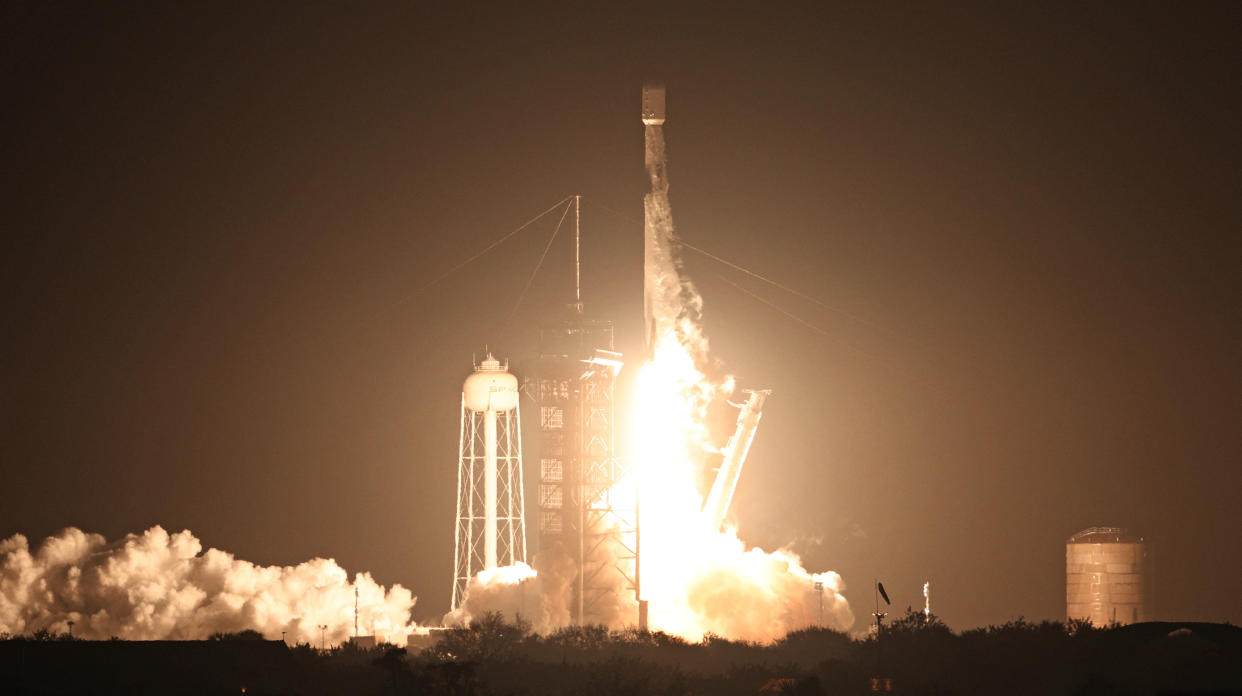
column 491, row 523
column 579, row 514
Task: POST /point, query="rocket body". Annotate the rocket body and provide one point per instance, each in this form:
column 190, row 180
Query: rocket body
column 659, row 274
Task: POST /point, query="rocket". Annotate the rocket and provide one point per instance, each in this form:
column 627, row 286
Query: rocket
column 657, row 237
column 653, row 104
column 657, row 219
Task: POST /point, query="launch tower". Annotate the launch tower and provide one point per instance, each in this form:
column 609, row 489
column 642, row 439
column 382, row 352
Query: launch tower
column 582, row 518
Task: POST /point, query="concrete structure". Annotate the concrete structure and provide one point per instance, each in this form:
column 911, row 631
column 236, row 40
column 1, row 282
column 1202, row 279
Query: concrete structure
column 1105, row 577
column 423, row 638
column 491, row 525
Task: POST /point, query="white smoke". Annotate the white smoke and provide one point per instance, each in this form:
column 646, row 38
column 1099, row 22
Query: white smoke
column 750, row 594
column 513, row 590
column 673, row 305
column 543, row 596
column 161, row 586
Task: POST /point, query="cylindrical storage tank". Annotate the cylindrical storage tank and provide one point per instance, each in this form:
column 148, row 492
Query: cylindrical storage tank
column 1104, row 577
column 490, row 388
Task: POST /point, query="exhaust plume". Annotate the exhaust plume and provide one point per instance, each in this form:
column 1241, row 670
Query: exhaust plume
column 696, row 578
column 161, row 586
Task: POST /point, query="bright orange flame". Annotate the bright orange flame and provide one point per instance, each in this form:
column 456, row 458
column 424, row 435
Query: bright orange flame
column 698, row 579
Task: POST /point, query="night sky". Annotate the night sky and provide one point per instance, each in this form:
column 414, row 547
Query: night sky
column 1022, row 223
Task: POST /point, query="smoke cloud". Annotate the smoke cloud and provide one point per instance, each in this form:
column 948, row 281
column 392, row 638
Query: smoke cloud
column 161, row 586
column 513, row 590
column 544, row 597
column 754, row 595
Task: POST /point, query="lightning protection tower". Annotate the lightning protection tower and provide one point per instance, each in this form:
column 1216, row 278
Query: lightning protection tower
column 583, row 517
column 491, row 527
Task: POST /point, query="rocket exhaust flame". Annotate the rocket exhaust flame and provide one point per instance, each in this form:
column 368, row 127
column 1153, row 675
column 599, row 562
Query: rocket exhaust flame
column 696, row 577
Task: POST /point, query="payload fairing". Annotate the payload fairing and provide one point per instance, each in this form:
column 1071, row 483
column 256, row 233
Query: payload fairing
column 653, row 104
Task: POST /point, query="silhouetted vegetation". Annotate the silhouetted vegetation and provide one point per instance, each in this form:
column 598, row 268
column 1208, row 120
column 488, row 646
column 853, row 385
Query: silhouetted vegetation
column 240, row 635
column 493, row 656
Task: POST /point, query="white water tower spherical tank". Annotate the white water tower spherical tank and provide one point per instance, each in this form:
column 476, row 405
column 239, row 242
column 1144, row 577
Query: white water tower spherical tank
column 490, row 388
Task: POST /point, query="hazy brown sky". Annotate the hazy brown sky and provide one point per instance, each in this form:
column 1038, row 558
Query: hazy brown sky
column 1024, row 219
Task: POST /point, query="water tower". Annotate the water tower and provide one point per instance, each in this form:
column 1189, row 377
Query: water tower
column 1104, row 576
column 491, row 527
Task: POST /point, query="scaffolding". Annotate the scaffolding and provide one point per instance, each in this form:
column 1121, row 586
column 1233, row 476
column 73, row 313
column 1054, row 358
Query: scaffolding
column 581, row 514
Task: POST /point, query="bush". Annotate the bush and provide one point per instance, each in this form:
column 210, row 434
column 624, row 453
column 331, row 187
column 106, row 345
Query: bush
column 247, row 634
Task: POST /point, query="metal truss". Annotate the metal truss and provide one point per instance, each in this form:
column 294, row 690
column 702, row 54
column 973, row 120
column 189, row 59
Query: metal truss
column 471, row 507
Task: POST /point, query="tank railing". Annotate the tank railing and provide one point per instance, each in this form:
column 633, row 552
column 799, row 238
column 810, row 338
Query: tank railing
column 1118, row 532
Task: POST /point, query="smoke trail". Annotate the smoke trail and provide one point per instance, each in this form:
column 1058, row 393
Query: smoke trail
column 161, row 586
column 673, row 305
column 697, row 578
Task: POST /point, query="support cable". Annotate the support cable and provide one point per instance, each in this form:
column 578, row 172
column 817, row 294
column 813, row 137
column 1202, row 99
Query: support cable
column 780, row 286
column 777, row 285
column 497, row 243
column 747, row 271
column 938, row 385
column 419, row 290
column 531, row 280
column 791, row 315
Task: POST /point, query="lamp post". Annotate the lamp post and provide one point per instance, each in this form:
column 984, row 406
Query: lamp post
column 323, row 629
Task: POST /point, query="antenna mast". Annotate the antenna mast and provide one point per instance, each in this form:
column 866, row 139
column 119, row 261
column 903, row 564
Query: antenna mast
column 578, row 254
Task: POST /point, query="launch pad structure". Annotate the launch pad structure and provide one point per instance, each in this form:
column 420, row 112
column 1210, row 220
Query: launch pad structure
column 581, row 515
column 589, row 526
